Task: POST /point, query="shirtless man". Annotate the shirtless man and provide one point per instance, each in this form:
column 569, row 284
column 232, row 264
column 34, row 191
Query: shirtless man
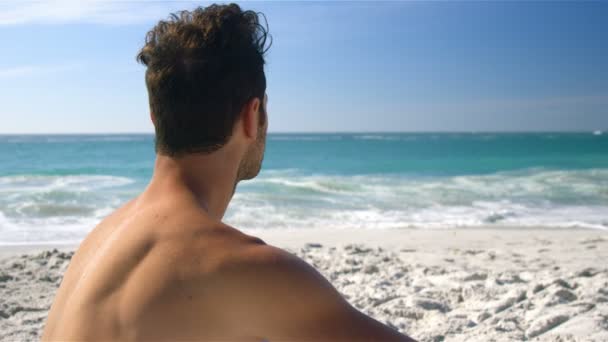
column 164, row 266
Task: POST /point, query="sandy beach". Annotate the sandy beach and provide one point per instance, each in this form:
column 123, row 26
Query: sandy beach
column 435, row 285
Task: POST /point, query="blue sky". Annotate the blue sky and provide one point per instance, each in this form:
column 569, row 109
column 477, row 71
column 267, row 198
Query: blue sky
column 69, row 66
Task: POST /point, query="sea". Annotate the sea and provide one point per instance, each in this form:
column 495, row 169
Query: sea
column 56, row 188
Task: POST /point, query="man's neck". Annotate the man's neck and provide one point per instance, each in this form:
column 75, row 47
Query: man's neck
column 209, row 178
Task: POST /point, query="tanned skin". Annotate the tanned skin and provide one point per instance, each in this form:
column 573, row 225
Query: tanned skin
column 164, row 266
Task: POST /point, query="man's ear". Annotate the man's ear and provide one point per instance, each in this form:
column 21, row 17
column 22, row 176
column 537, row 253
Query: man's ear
column 250, row 118
column 153, row 119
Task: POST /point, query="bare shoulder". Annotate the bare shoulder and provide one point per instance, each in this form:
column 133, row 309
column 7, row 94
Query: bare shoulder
column 200, row 252
column 250, row 288
column 270, row 293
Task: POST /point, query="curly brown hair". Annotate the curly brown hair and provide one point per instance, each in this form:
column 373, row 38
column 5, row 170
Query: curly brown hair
column 203, row 66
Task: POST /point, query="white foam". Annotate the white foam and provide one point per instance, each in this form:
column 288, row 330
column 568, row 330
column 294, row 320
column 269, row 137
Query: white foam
column 523, row 198
column 304, row 137
column 52, row 230
column 50, row 208
column 57, row 208
column 376, row 137
column 36, row 183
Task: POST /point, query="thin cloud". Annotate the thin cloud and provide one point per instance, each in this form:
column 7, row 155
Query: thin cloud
column 36, row 70
column 89, row 11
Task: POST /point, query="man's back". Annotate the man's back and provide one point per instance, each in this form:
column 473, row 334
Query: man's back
column 125, row 281
column 164, row 267
column 163, row 271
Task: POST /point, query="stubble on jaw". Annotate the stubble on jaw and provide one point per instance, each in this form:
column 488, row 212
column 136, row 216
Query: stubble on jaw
column 251, row 164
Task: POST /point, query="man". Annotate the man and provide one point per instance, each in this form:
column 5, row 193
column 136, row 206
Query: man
column 164, row 266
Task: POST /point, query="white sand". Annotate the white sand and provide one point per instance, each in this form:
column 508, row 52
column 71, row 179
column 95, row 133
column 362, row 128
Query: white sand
column 452, row 285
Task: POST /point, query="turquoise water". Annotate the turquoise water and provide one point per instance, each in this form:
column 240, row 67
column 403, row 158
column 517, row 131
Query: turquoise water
column 55, row 188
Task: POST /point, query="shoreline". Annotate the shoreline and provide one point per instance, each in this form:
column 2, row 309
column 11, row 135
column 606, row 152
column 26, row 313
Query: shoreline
column 334, row 236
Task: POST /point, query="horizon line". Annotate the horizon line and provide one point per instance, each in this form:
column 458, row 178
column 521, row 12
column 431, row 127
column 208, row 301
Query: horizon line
column 331, row 132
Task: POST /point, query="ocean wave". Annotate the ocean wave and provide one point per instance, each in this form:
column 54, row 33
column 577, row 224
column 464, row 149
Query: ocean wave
column 52, row 208
column 551, row 198
column 312, row 185
column 44, row 208
column 76, row 196
column 376, row 137
column 57, row 230
column 303, row 137
column 535, row 185
column 47, row 182
column 505, row 214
